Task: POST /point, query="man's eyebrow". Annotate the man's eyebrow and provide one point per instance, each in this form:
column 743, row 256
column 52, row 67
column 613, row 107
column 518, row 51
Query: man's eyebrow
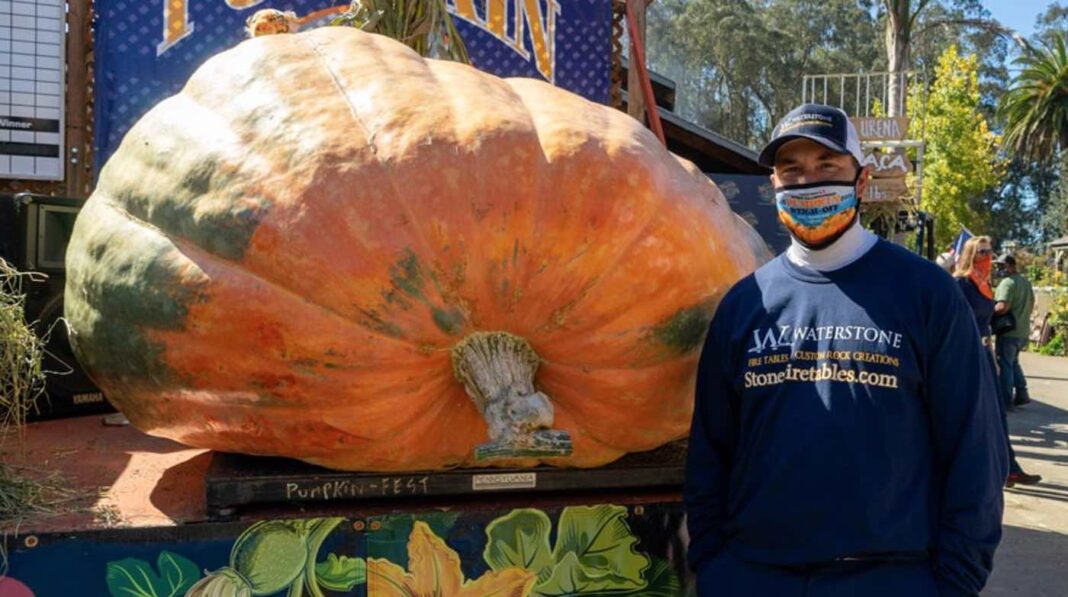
column 785, row 161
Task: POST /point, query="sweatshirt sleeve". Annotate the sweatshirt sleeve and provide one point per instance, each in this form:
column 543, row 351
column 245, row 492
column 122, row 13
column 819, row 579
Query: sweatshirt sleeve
column 971, row 455
column 712, row 438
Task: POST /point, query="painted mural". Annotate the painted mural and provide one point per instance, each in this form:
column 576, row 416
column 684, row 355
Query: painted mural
column 590, row 551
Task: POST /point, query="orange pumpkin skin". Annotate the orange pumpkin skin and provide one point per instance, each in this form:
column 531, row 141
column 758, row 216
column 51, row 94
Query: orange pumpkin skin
column 279, row 259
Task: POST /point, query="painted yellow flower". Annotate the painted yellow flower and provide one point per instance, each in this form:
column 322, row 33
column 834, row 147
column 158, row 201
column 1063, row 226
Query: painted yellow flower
column 434, row 571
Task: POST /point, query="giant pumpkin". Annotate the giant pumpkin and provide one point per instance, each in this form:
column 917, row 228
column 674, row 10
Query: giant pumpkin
column 329, row 248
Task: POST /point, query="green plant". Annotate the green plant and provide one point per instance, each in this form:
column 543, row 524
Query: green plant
column 1055, row 347
column 1058, row 309
column 1058, row 321
column 422, row 25
column 1035, row 109
column 961, row 160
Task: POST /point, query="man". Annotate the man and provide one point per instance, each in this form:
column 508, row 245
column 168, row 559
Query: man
column 846, row 439
column 1014, row 294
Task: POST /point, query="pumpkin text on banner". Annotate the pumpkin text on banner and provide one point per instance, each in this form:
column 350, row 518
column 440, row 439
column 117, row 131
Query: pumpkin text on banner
column 146, row 50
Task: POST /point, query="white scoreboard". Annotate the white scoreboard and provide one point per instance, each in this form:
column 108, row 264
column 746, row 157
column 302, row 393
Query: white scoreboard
column 32, row 39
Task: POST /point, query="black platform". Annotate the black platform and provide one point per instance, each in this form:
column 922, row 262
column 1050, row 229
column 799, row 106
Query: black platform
column 235, row 480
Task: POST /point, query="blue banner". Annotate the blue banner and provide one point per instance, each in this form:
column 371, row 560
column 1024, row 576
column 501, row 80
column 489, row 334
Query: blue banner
column 146, row 50
column 752, row 197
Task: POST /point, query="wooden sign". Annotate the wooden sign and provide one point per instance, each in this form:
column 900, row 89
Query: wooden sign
column 886, row 189
column 887, row 165
column 882, row 129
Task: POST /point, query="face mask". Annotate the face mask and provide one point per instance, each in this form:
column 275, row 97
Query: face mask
column 817, row 214
column 982, row 265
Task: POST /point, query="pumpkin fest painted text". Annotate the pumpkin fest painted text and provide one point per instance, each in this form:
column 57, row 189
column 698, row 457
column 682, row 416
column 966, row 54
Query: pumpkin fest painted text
column 510, row 21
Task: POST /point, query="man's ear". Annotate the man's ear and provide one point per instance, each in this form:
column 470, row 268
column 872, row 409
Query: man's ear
column 774, row 180
column 863, row 180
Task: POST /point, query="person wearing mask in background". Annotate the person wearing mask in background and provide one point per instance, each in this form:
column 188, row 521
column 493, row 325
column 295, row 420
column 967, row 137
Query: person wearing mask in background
column 973, row 276
column 1013, row 295
column 846, row 439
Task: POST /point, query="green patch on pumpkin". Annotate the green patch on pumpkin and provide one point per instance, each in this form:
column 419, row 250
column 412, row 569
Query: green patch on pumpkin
column 124, row 279
column 449, row 321
column 406, row 276
column 186, row 190
column 373, row 321
column 685, row 330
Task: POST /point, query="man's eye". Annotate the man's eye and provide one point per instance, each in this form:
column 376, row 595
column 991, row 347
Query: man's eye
column 829, row 166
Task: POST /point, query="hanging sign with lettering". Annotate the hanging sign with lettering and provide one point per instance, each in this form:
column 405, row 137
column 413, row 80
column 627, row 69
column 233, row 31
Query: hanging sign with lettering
column 887, row 165
column 146, row 50
column 870, row 128
column 886, row 189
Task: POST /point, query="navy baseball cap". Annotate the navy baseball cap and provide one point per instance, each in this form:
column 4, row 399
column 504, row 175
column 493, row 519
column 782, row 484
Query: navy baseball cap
column 825, row 125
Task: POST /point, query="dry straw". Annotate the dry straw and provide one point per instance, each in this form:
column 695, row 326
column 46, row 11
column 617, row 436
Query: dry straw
column 21, row 376
column 21, row 384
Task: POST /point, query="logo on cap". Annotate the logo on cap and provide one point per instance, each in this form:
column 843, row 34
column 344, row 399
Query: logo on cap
column 798, row 120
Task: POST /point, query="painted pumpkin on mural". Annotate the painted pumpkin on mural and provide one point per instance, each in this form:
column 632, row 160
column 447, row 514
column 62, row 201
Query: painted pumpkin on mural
column 329, row 248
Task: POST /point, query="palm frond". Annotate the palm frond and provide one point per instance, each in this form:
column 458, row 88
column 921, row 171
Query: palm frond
column 1035, row 109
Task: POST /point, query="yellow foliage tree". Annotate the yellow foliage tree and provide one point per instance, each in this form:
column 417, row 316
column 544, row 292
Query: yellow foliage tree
column 961, row 160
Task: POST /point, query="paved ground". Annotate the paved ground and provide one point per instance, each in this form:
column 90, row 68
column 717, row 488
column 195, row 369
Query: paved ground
column 1033, row 558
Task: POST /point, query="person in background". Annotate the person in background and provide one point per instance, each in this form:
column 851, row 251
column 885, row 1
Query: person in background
column 1014, row 294
column 947, row 260
column 973, row 276
column 846, row 438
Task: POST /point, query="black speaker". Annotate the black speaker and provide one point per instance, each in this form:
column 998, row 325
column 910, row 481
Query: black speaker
column 41, row 227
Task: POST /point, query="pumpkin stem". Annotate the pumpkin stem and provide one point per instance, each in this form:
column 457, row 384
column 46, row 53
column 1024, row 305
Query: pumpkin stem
column 269, row 21
column 497, row 370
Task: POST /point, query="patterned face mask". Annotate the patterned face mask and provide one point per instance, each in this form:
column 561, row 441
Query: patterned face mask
column 817, row 214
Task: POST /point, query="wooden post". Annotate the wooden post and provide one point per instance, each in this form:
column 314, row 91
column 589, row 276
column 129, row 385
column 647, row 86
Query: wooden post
column 75, row 167
column 635, row 101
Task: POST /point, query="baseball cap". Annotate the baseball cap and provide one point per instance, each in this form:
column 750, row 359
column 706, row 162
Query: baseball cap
column 825, row 125
column 1007, row 259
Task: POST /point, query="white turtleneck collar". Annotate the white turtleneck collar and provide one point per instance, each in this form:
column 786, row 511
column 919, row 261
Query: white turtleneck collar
column 852, row 245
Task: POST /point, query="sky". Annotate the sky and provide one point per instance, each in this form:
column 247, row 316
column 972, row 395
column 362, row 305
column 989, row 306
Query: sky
column 1017, row 14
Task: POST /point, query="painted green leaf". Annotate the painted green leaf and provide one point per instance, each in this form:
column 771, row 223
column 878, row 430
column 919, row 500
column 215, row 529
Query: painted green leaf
column 595, row 551
column 661, row 580
column 131, row 578
column 570, row 577
column 178, row 573
column 520, row 539
column 342, row 573
column 135, row 578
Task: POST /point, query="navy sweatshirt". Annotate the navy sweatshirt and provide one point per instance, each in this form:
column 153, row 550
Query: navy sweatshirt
column 982, row 307
column 844, row 414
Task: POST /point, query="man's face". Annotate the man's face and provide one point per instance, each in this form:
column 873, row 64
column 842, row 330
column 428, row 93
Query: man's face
column 802, row 162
